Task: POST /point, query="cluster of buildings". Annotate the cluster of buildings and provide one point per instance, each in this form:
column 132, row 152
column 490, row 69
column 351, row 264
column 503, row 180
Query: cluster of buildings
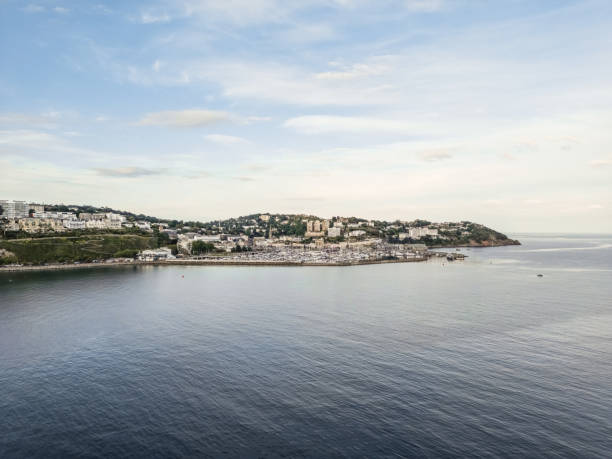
column 418, row 233
column 33, row 218
column 339, row 227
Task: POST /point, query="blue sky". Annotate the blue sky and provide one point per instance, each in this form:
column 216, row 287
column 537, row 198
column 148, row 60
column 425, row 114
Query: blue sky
column 497, row 112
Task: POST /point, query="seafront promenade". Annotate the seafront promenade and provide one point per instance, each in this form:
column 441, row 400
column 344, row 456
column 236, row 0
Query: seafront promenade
column 191, row 262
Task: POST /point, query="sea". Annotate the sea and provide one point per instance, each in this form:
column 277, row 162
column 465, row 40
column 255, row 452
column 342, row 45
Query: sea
column 473, row 358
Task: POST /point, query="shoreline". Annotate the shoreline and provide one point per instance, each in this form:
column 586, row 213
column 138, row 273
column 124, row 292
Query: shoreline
column 476, row 246
column 61, row 267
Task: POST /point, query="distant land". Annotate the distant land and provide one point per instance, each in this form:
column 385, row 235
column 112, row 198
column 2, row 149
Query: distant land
column 36, row 234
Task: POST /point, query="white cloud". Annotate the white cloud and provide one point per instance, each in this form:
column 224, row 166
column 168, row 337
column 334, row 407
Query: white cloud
column 226, row 139
column 246, row 12
column 27, row 138
column 310, row 33
column 319, row 124
column 426, row 6
column 286, row 84
column 157, row 65
column 45, row 120
column 151, row 18
column 31, row 8
column 61, row 10
column 354, row 71
column 241, row 12
column 185, row 118
column 127, row 172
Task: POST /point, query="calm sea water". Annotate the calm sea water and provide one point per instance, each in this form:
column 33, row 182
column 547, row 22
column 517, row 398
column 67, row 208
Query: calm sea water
column 480, row 358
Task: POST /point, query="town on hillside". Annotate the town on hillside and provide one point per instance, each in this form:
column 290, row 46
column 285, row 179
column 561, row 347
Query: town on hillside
column 92, row 234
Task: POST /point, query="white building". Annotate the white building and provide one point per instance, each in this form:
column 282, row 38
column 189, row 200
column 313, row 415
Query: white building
column 207, row 237
column 357, row 233
column 113, row 224
column 418, row 233
column 13, row 209
column 334, row 232
column 115, row 217
column 143, row 226
column 95, row 224
column 74, row 224
column 56, row 215
column 162, row 253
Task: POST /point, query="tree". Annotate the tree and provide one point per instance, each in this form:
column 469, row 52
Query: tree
column 199, row 247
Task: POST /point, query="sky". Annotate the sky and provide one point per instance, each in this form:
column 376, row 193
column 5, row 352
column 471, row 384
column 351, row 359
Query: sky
column 498, row 112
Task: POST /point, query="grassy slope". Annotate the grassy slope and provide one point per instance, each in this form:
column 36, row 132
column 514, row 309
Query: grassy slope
column 82, row 248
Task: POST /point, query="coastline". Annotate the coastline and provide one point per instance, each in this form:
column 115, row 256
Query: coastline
column 485, row 244
column 229, row 262
column 60, row 267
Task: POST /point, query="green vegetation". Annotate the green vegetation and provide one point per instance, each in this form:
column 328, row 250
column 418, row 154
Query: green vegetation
column 126, row 253
column 71, row 233
column 71, row 249
column 162, row 238
column 200, row 247
column 7, row 258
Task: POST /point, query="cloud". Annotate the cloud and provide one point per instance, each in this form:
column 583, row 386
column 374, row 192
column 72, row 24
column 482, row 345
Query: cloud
column 127, row 171
column 254, row 119
column 61, row 10
column 376, row 67
column 32, row 9
column 244, row 179
column 435, row 155
column 102, row 9
column 257, row 167
column 226, row 139
column 319, row 124
column 424, row 6
column 23, row 143
column 24, row 138
column 150, row 18
column 242, row 13
column 46, row 120
column 157, row 65
column 310, row 33
column 184, row 118
column 198, row 175
column 601, row 163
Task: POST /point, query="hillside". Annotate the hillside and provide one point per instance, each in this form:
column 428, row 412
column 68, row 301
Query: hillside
column 91, row 244
column 71, row 249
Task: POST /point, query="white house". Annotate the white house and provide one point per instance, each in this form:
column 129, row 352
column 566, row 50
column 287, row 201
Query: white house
column 162, row 253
